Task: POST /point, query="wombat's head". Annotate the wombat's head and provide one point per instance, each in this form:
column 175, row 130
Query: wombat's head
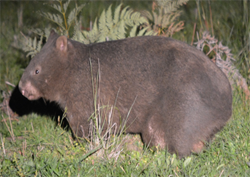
column 44, row 74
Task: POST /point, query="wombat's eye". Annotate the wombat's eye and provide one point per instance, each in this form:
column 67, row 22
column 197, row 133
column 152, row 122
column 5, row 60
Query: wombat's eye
column 37, row 71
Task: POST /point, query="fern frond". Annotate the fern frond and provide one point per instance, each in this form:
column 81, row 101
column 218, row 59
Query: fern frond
column 38, row 31
column 102, row 21
column 223, row 58
column 150, row 33
column 65, row 5
column 78, row 36
column 73, row 14
column 123, row 23
column 123, row 12
column 47, row 32
column 56, row 18
column 33, row 46
column 165, row 15
column 30, row 45
column 133, row 31
column 147, row 15
column 56, row 7
column 141, row 32
column 109, row 20
column 117, row 14
column 91, row 36
column 170, row 6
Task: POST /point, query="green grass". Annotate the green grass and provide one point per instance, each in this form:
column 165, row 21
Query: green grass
column 43, row 148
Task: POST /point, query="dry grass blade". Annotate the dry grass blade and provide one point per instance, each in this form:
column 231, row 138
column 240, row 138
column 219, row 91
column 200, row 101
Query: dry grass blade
column 3, row 145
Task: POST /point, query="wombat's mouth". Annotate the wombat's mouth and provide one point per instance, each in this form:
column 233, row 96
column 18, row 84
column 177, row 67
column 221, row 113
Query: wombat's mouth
column 29, row 91
column 30, row 96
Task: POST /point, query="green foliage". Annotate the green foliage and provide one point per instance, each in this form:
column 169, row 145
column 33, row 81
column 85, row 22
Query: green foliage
column 164, row 16
column 33, row 45
column 170, row 6
column 109, row 28
column 60, row 18
column 10, row 59
column 245, row 52
column 124, row 22
column 228, row 23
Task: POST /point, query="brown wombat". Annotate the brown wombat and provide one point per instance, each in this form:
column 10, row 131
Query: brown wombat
column 168, row 91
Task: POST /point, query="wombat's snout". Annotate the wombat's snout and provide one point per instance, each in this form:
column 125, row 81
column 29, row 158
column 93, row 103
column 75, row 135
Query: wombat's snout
column 28, row 90
column 21, row 88
column 23, row 92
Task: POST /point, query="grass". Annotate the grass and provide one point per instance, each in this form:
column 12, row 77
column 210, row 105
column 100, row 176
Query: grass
column 43, row 148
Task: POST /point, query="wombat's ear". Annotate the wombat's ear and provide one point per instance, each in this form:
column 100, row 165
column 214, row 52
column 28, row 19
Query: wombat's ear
column 61, row 43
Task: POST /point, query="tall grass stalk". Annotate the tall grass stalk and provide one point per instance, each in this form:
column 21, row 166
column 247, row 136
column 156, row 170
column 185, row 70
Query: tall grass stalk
column 10, row 129
column 2, row 144
column 102, row 126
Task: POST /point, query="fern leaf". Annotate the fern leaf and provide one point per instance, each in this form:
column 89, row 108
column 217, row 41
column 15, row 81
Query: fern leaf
column 127, row 17
column 171, row 6
column 54, row 18
column 165, row 16
column 47, row 33
column 93, row 35
column 117, row 26
column 102, row 20
column 102, row 38
column 32, row 54
column 73, row 14
column 108, row 17
column 34, row 43
column 150, row 33
column 134, row 16
column 58, row 18
column 78, row 36
column 30, row 45
column 142, row 31
column 65, row 6
column 124, row 12
column 37, row 31
column 121, row 30
column 56, row 7
column 117, row 13
column 133, row 31
column 39, row 45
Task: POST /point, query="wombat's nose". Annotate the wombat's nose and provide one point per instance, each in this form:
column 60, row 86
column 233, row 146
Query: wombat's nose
column 20, row 88
column 20, row 85
column 23, row 92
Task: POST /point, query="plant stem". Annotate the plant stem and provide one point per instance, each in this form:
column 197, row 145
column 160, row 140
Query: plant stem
column 64, row 17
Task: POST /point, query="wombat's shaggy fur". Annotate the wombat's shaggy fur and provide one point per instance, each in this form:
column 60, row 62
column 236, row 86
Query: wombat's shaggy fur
column 181, row 98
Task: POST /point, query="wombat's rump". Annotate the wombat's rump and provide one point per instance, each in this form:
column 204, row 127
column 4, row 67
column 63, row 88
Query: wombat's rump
column 181, row 99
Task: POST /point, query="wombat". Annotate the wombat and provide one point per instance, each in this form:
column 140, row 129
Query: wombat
column 167, row 91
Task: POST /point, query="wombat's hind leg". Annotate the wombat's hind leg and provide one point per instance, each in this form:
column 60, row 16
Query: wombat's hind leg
column 197, row 147
column 153, row 134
